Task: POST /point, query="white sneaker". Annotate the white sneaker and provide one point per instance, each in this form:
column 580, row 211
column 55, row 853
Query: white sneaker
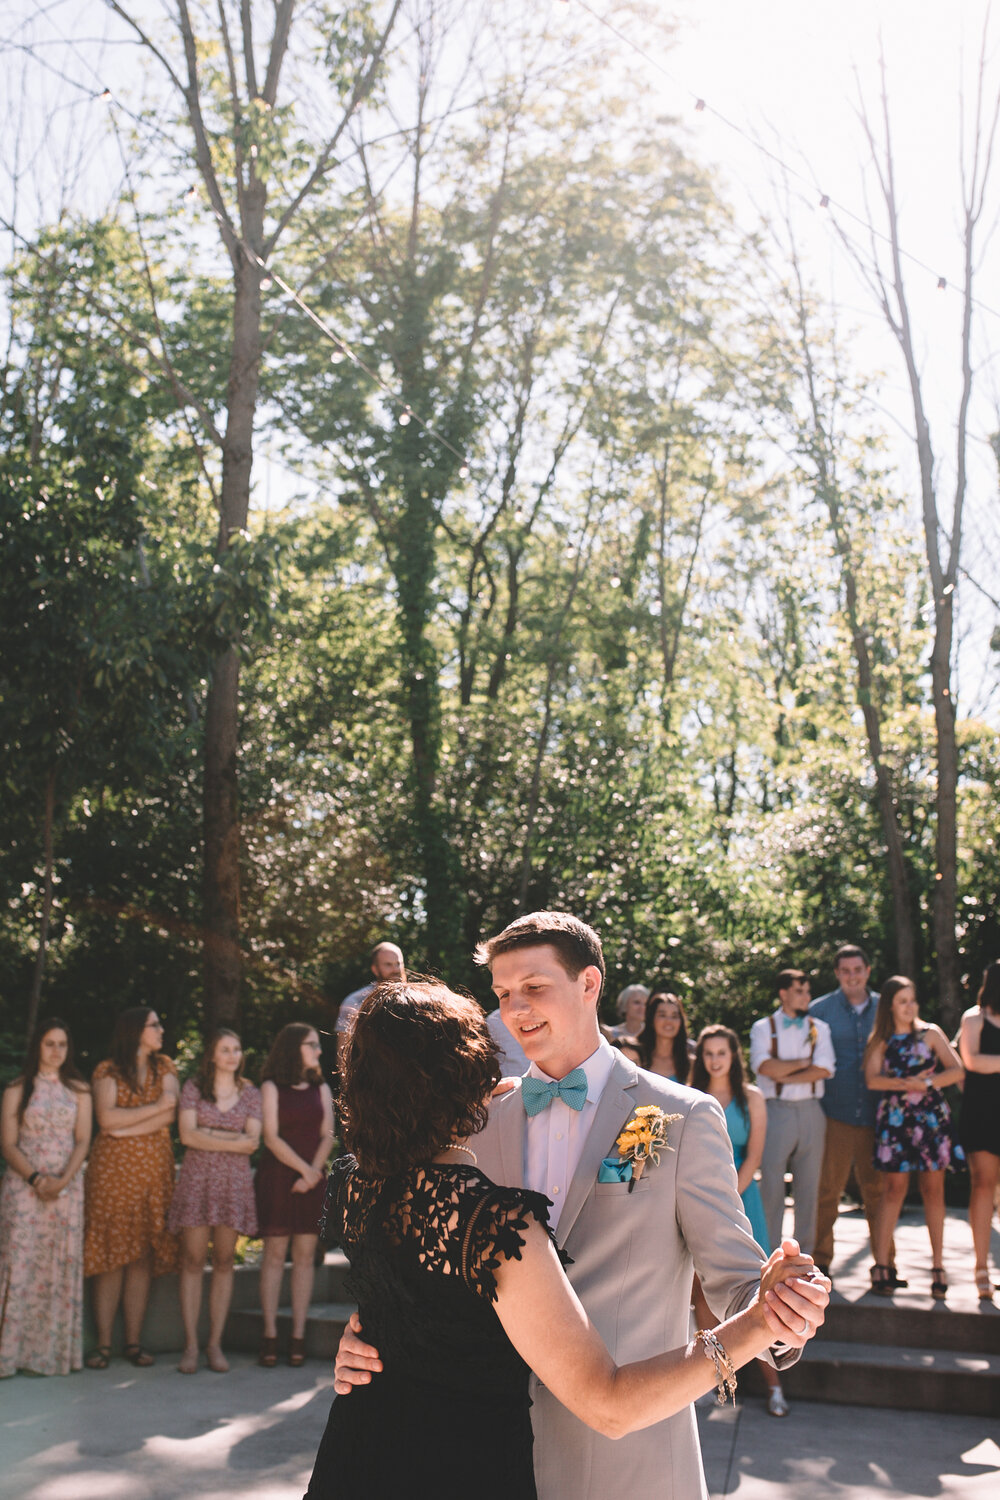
column 776, row 1404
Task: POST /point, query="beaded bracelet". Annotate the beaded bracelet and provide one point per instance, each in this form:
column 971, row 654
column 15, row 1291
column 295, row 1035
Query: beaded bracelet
column 724, row 1371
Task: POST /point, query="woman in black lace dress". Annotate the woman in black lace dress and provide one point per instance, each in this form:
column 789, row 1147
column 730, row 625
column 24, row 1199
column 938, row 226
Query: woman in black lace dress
column 458, row 1281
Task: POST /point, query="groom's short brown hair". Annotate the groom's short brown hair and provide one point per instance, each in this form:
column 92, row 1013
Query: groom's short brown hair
column 578, row 945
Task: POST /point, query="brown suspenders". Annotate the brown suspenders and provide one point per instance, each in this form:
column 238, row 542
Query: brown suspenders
column 774, row 1053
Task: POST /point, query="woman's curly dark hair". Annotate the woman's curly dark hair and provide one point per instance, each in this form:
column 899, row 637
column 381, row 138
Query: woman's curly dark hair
column 419, row 1072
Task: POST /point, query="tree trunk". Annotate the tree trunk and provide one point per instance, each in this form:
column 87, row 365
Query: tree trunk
column 945, row 900
column 222, row 961
column 35, row 997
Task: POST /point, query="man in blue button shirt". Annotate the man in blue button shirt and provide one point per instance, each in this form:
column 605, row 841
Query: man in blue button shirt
column 849, row 1106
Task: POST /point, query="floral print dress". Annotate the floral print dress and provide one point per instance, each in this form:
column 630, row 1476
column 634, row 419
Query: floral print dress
column 41, row 1244
column 913, row 1132
column 129, row 1186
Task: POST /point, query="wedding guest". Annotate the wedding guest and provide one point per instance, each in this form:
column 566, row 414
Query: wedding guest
column 45, row 1124
column 848, row 1104
column 219, row 1123
column 908, row 1065
column 130, row 1180
column 298, row 1132
column 462, row 1283
column 792, row 1055
column 979, row 1118
column 718, row 1070
column 386, row 961
column 631, row 1010
column 663, row 1040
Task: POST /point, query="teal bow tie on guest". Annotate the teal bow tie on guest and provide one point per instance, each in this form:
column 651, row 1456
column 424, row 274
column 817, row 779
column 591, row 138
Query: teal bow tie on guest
column 538, row 1093
column 799, row 1021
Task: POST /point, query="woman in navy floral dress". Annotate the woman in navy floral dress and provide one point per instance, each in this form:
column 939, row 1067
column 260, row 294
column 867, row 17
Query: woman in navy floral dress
column 909, row 1065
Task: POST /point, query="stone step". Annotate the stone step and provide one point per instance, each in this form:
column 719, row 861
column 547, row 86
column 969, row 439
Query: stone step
column 906, row 1378
column 163, row 1332
column 916, row 1322
column 324, row 1326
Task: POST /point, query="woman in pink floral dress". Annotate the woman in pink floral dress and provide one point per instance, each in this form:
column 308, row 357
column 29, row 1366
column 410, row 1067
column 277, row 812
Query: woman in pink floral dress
column 219, row 1123
column 45, row 1133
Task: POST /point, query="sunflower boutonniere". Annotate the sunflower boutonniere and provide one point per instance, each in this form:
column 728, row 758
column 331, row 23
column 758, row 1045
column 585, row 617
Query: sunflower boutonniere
column 642, row 1139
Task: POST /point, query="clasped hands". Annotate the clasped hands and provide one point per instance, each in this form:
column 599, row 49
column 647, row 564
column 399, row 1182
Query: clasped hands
column 793, row 1295
column 307, row 1180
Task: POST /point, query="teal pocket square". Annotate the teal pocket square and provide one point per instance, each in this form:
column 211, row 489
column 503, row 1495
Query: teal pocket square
column 612, row 1169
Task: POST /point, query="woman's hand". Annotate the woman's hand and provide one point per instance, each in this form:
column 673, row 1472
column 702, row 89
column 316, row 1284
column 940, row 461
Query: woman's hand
column 308, row 1179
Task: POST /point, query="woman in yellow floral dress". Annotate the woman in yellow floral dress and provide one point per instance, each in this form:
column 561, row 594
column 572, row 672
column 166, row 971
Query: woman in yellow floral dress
column 130, row 1181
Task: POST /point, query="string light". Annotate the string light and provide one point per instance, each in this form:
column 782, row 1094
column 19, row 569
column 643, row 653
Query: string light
column 701, row 105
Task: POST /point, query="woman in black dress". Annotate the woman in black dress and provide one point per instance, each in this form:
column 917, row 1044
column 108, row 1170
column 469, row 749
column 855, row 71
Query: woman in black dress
column 458, row 1281
column 979, row 1121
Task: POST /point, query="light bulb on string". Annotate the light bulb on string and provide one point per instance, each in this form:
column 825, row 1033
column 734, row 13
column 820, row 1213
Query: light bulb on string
column 266, row 283
column 463, row 472
column 404, row 418
column 191, row 194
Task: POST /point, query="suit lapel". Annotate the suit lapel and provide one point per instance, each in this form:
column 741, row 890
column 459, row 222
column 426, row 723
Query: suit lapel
column 510, row 1117
column 614, row 1108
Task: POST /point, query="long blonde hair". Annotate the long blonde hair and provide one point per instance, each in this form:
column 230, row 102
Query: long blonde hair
column 884, row 1025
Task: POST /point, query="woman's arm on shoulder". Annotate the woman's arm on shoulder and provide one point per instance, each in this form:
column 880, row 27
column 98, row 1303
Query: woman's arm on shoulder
column 546, row 1322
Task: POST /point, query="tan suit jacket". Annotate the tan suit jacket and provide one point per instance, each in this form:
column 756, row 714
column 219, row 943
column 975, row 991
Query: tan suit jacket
column 633, row 1256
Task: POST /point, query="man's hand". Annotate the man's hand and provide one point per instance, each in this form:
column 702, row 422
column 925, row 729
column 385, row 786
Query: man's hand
column 355, row 1360
column 796, row 1294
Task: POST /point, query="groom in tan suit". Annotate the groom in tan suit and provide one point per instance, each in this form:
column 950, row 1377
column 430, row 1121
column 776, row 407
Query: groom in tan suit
column 632, row 1254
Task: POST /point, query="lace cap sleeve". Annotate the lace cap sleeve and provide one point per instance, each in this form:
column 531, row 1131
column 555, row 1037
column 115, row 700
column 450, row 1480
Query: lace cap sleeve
column 331, row 1222
column 495, row 1227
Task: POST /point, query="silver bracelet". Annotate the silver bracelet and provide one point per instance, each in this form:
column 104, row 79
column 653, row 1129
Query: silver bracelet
column 725, row 1374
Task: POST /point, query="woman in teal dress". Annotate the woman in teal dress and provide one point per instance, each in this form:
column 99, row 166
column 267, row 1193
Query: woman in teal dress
column 718, row 1070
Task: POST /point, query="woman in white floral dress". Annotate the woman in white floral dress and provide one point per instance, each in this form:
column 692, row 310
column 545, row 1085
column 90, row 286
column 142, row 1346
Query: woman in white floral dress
column 45, row 1125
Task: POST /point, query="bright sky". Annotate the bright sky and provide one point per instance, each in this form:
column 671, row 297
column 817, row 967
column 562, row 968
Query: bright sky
column 791, row 75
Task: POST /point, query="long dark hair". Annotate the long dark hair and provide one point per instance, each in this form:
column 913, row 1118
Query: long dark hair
column 883, row 1025
column 68, row 1073
column 419, row 1071
column 284, row 1065
column 647, row 1036
column 124, row 1047
column 205, row 1076
column 989, row 991
column 737, row 1072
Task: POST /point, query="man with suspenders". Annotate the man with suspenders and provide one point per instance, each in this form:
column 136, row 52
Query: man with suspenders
column 791, row 1053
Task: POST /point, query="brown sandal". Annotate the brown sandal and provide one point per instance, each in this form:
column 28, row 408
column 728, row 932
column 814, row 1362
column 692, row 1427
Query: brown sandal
column 268, row 1356
column 138, row 1356
column 297, row 1352
column 99, row 1358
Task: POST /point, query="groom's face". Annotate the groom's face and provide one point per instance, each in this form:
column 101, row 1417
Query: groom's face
column 553, row 1016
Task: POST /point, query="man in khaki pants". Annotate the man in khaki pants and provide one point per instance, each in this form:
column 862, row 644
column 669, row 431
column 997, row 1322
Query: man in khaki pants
column 849, row 1106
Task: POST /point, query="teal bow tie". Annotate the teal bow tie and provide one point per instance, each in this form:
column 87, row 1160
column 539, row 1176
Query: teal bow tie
column 799, row 1021
column 538, row 1093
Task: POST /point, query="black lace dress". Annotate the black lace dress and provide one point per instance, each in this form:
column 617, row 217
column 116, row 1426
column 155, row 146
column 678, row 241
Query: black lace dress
column 448, row 1417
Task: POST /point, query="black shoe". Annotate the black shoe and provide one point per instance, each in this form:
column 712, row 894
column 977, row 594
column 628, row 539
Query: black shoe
column 896, row 1281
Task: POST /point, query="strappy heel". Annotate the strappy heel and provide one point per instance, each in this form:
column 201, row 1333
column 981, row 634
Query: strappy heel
column 939, row 1286
column 881, row 1281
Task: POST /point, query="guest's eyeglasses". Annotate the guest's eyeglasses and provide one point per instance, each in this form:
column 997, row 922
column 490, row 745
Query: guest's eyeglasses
column 156, row 1025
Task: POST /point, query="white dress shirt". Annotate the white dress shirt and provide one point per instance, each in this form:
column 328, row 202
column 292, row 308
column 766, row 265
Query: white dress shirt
column 554, row 1138
column 793, row 1042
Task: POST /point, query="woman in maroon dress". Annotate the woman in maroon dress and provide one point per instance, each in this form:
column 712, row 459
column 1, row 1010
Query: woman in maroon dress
column 298, row 1134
